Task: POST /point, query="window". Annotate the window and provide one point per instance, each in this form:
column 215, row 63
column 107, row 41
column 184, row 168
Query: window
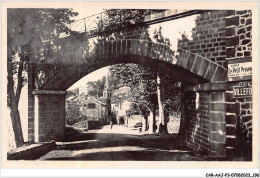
column 91, row 106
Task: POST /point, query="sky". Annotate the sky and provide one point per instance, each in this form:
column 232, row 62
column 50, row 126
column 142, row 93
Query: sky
column 170, row 29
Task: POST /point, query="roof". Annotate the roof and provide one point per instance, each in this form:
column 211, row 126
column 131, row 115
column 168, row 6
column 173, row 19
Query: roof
column 94, row 100
column 71, row 98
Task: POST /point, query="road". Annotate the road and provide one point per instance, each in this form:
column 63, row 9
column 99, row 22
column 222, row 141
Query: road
column 120, row 143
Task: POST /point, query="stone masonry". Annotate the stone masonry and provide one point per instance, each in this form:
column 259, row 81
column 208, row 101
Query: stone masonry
column 49, row 115
column 224, row 37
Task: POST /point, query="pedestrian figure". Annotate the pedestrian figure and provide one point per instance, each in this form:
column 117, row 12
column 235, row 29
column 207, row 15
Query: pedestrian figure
column 111, row 124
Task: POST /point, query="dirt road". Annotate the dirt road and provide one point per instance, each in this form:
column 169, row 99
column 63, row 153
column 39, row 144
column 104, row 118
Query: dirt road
column 120, row 143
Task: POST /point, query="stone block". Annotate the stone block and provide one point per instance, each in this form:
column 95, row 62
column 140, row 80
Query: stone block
column 231, row 52
column 217, row 107
column 249, row 21
column 241, row 30
column 216, row 96
column 217, row 146
column 233, row 41
column 231, row 119
column 232, row 21
column 248, row 34
column 231, row 107
column 231, row 141
column 245, row 105
column 217, row 137
column 183, row 59
column 191, row 61
column 247, row 53
column 211, row 70
column 241, row 12
column 196, row 65
column 217, row 116
column 218, row 126
column 249, row 28
column 245, row 41
column 231, row 129
column 246, row 118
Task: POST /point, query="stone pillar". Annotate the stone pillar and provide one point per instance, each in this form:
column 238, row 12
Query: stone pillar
column 205, row 115
column 217, row 124
column 31, row 85
column 49, row 115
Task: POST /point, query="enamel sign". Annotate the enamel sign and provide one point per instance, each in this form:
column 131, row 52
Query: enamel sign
column 240, row 69
column 243, row 90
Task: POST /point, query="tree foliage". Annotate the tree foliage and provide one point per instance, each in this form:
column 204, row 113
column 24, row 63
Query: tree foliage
column 98, row 87
column 32, row 34
column 142, row 85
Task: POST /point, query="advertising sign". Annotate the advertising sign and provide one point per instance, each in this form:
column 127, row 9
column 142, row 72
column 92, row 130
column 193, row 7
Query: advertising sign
column 240, row 69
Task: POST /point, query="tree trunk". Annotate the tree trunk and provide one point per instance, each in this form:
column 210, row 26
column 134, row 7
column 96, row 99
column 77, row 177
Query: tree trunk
column 181, row 137
column 14, row 100
column 160, row 94
column 127, row 121
column 144, row 123
column 151, row 123
column 17, row 127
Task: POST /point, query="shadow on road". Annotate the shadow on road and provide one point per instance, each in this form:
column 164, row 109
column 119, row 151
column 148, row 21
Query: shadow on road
column 109, row 146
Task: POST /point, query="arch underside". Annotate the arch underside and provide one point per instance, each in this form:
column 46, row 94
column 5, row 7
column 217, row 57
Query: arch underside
column 74, row 72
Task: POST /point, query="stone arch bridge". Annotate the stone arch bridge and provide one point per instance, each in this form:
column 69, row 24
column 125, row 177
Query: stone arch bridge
column 212, row 115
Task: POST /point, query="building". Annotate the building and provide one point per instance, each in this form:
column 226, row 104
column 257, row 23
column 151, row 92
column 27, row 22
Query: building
column 95, row 110
column 119, row 108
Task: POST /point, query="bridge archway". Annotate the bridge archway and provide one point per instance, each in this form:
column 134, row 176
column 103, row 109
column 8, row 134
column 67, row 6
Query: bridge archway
column 186, row 67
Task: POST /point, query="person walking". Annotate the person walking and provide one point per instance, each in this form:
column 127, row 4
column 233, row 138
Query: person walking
column 111, row 124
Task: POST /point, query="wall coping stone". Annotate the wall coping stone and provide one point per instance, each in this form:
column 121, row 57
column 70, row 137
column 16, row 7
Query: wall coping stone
column 49, row 92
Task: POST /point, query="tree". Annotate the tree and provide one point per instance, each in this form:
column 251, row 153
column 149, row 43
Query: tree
column 112, row 17
column 158, row 37
column 31, row 33
column 142, row 85
column 98, row 87
column 148, row 89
